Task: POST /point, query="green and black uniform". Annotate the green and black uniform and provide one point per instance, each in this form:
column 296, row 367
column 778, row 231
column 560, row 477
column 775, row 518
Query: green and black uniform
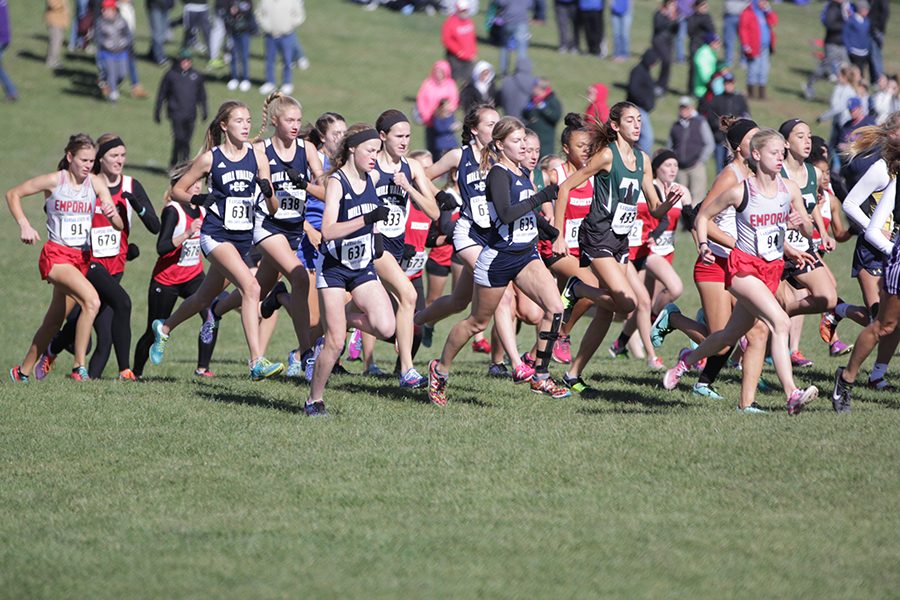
column 797, row 240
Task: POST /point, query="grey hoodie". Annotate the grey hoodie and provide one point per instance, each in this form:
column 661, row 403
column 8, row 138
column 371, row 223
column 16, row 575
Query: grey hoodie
column 515, row 89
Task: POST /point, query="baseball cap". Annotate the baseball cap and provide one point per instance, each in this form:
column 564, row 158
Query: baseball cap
column 685, row 101
column 854, row 103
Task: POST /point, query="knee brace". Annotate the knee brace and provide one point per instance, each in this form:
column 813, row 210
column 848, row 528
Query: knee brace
column 543, row 356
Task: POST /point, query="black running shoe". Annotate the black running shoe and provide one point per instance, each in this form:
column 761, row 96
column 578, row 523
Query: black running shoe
column 569, row 298
column 315, row 409
column 840, row 396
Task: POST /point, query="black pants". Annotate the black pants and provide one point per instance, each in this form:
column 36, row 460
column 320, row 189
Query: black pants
column 182, row 132
column 160, row 304
column 591, row 22
column 665, row 64
column 112, row 325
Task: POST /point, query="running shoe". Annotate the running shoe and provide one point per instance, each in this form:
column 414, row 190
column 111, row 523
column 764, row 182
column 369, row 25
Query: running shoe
column 437, row 385
column 674, row 375
column 705, row 390
column 160, row 339
column 578, row 385
column 294, row 364
column 264, row 368
column 763, row 387
column 569, row 298
column 753, row 409
column 655, row 364
column 616, row 350
column 798, row 360
column 310, row 365
column 44, row 364
column 523, row 373
column 411, row 380
column 879, row 385
column 528, row 359
column 828, row 326
column 374, row 370
column 270, row 303
column 840, row 395
column 550, row 387
column 427, row 335
column 203, row 373
column 839, row 348
column 800, row 398
column 499, row 370
column 315, row 409
column 481, row 346
column 354, row 346
column 126, row 375
column 17, row 376
column 660, row 328
column 562, row 350
column 210, row 323
column 338, row 369
column 79, row 374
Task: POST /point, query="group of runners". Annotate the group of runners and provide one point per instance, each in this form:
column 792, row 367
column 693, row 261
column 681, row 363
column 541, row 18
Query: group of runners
column 340, row 225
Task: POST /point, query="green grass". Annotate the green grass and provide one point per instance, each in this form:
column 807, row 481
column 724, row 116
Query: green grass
column 221, row 488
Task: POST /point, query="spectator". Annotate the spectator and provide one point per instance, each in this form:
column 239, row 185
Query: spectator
column 113, row 39
column 480, row 90
column 126, row 9
column 730, row 18
column 438, row 87
column 278, row 20
column 158, row 11
column 567, row 25
column 9, row 88
column 182, row 90
column 641, row 92
column 692, row 141
column 729, row 102
column 515, row 89
column 511, row 19
column 195, row 18
column 833, row 17
column 590, row 20
column 442, row 135
column 705, row 63
column 858, row 37
column 217, row 35
column 240, row 25
column 665, row 26
column 858, row 118
column 458, row 37
column 597, row 110
column 756, row 30
column 58, row 19
column 843, row 91
column 621, row 15
column 878, row 15
column 699, row 24
column 542, row 113
column 885, row 101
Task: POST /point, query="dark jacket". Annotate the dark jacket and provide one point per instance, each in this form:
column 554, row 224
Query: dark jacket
column 664, row 31
column 721, row 105
column 833, row 19
column 542, row 117
column 698, row 26
column 183, row 92
column 469, row 97
column 879, row 14
column 641, row 83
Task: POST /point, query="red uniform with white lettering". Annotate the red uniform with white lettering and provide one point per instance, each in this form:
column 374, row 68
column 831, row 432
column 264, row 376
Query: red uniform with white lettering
column 417, row 225
column 109, row 247
column 183, row 263
column 576, row 210
column 69, row 212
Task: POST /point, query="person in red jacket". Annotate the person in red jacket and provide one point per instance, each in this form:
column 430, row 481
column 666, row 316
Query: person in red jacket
column 756, row 30
column 458, row 38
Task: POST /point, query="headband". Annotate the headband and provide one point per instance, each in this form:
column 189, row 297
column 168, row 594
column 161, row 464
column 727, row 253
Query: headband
column 391, row 120
column 738, row 130
column 661, row 157
column 788, row 126
column 109, row 145
column 362, row 136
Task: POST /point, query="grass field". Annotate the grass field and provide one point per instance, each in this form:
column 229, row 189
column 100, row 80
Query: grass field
column 222, row 488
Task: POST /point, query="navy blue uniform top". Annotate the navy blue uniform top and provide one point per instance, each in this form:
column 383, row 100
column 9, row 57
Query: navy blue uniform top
column 233, row 185
column 356, row 250
column 473, row 190
column 518, row 234
column 291, row 199
column 397, row 200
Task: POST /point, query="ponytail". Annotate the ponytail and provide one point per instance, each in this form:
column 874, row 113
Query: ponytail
column 873, row 138
column 77, row 142
column 471, row 121
column 274, row 104
column 602, row 134
column 213, row 135
column 490, row 154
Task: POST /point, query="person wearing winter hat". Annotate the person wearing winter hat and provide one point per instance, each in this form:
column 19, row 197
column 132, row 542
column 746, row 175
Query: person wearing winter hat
column 481, row 88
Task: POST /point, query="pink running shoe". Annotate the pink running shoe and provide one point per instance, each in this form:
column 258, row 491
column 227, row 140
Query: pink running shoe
column 44, row 364
column 523, row 373
column 838, row 348
column 800, row 398
column 481, row 346
column 673, row 375
column 354, row 346
column 562, row 350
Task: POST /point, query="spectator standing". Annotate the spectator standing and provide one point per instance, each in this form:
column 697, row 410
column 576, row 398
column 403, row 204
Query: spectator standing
column 460, row 44
column 9, row 88
column 665, row 27
column 58, row 19
column 843, row 91
column 621, row 16
column 480, row 90
column 691, row 139
column 878, row 15
column 512, row 20
column 858, row 37
column 705, row 63
column 729, row 102
column 542, row 114
column 699, row 24
column 240, row 25
column 756, row 30
column 158, row 13
column 858, row 118
column 126, row 9
column 885, row 100
column 567, row 25
column 442, row 135
column 515, row 89
column 217, row 35
column 641, row 92
column 278, row 20
column 685, row 10
column 438, row 87
column 590, row 21
column 113, row 39
column 833, row 17
column 597, row 110
column 194, row 19
column 182, row 91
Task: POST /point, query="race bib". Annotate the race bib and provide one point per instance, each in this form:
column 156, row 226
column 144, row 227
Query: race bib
column 238, row 213
column 524, row 229
column 797, row 240
column 624, row 218
column 190, row 253
column 665, row 244
column 75, row 230
column 415, row 264
column 105, row 242
column 480, row 213
column 573, row 226
column 356, row 253
column 394, row 225
column 770, row 242
column 635, row 233
column 291, row 205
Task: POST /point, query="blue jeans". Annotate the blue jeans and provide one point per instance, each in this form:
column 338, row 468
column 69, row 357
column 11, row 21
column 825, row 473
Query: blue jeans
column 285, row 47
column 721, row 156
column 298, row 51
column 159, row 27
column 240, row 54
column 758, row 69
column 621, row 29
column 646, row 140
column 515, row 37
column 115, row 66
column 729, row 33
column 75, row 40
column 680, row 39
column 8, row 86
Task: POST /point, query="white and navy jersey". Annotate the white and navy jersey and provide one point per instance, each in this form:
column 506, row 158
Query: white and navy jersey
column 761, row 221
column 233, row 185
column 356, row 250
column 70, row 211
column 473, row 189
column 291, row 199
column 395, row 198
column 521, row 235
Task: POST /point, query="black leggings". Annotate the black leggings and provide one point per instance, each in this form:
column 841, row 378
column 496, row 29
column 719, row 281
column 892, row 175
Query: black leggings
column 112, row 325
column 160, row 304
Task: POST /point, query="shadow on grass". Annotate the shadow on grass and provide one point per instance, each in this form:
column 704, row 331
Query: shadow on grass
column 226, row 396
column 390, row 391
column 153, row 169
column 623, row 397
